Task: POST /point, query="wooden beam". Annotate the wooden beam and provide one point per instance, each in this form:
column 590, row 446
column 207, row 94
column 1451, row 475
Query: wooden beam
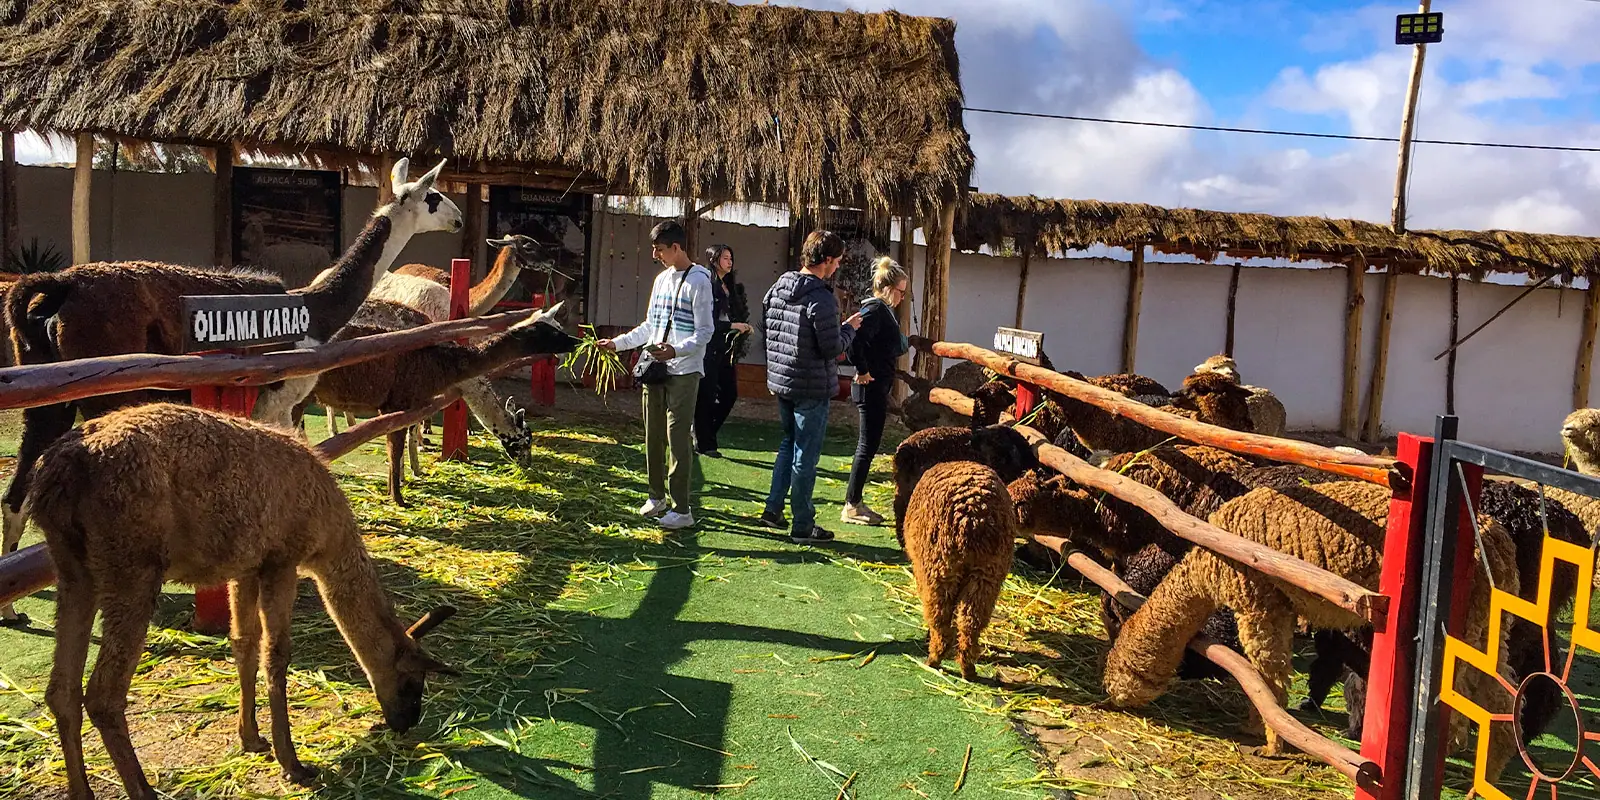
column 1350, row 465
column 1022, row 288
column 1373, row 430
column 472, row 230
column 1338, row 590
column 1591, row 320
column 65, row 381
column 936, row 290
column 1130, row 327
column 1233, row 310
column 1450, row 362
column 222, row 210
column 691, row 229
column 82, row 209
column 907, row 256
column 1350, row 406
column 9, row 238
column 337, row 446
column 24, row 572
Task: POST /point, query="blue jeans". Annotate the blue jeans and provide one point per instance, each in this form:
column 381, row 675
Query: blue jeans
column 795, row 473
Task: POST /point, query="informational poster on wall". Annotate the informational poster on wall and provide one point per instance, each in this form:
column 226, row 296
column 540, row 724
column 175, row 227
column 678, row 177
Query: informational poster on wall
column 286, row 221
column 863, row 243
column 560, row 221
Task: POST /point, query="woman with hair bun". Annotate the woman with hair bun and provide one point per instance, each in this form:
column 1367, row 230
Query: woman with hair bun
column 877, row 346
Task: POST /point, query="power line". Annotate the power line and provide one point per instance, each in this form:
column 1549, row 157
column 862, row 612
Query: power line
column 1302, row 134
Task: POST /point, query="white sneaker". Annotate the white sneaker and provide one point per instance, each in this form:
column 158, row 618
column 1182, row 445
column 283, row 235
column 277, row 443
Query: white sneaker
column 654, row 508
column 672, row 520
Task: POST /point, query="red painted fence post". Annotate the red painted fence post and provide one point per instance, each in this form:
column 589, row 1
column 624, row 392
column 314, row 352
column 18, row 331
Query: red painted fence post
column 454, row 438
column 211, row 611
column 542, row 375
column 1387, row 722
column 1026, row 398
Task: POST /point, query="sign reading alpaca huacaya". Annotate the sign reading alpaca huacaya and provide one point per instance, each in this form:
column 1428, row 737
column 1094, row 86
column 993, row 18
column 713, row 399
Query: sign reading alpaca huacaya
column 216, row 322
column 1024, row 345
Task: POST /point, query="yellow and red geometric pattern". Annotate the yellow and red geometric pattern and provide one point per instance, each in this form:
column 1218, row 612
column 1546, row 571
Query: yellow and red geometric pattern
column 1457, row 652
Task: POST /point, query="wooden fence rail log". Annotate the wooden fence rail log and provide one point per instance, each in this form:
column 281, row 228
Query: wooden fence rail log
column 1373, row 469
column 1343, row 593
column 41, row 384
column 1349, row 763
column 30, row 569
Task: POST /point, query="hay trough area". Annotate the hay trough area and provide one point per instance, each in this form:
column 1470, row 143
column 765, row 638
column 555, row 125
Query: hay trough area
column 602, row 657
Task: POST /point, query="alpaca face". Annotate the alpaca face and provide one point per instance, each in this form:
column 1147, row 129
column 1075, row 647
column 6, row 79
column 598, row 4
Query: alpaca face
column 1220, row 365
column 418, row 207
column 1003, row 450
column 1220, row 400
column 1581, row 433
column 542, row 333
column 1052, row 506
column 400, row 692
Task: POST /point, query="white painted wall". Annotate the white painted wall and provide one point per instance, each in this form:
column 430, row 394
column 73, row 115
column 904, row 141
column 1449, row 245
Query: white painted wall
column 1513, row 380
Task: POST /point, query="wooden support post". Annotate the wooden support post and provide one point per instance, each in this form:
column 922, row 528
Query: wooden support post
column 472, row 233
column 453, row 446
column 9, row 238
column 1233, row 310
column 907, row 256
column 1450, row 362
column 1350, row 406
column 1130, row 329
column 385, row 186
column 222, row 213
column 1591, row 320
column 1022, row 287
column 1373, row 430
column 82, row 210
column 936, row 291
column 1408, row 124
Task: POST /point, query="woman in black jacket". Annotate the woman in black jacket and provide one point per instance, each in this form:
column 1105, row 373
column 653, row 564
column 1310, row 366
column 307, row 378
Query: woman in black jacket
column 877, row 346
column 719, row 385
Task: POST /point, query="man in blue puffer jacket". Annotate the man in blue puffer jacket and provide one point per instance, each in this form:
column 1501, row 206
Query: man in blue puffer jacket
column 804, row 341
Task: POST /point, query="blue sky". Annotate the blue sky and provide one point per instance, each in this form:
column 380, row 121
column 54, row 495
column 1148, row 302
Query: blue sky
column 1508, row 71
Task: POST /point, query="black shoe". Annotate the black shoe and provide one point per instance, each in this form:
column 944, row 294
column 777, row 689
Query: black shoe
column 817, row 535
column 770, row 520
column 710, row 453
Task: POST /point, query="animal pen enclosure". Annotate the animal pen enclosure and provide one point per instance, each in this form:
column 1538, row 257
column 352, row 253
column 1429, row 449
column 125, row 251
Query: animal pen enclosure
column 1417, row 614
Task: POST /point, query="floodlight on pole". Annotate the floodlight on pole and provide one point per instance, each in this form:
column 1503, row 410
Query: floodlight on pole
column 1423, row 28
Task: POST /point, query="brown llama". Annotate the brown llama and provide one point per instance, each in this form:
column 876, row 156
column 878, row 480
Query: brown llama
column 959, row 534
column 410, row 380
column 107, row 309
column 166, row 492
column 517, row 253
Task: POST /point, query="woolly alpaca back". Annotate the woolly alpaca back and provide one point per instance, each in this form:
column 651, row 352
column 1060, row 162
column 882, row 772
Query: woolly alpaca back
column 998, row 447
column 1217, row 400
column 960, row 516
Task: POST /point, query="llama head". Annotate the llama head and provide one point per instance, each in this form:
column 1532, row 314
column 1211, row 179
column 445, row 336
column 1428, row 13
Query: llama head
column 1219, row 400
column 1580, row 432
column 1221, row 365
column 526, row 252
column 400, row 689
column 417, row 206
column 542, row 334
column 516, row 438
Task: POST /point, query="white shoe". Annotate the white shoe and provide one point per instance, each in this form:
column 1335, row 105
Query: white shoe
column 654, row 508
column 672, row 520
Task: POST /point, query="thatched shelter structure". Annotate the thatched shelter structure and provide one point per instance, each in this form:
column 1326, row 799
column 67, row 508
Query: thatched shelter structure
column 1047, row 227
column 680, row 98
column 1034, row 227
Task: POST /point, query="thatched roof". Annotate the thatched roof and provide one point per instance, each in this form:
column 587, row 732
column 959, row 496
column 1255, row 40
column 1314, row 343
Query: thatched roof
column 665, row 97
column 1051, row 227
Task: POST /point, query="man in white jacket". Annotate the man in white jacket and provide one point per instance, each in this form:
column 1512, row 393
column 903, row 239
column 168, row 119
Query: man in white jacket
column 676, row 330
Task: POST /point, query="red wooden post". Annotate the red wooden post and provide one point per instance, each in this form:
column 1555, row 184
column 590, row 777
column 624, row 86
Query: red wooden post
column 454, row 444
column 1026, row 398
column 211, row 612
column 1387, row 722
column 542, row 375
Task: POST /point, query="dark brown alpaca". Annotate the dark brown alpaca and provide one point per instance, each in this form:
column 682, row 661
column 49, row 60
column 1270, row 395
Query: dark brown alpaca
column 998, row 447
column 959, row 536
column 1205, row 397
column 406, row 381
column 167, row 492
column 107, row 309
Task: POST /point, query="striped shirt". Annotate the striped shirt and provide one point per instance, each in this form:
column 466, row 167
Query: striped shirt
column 680, row 315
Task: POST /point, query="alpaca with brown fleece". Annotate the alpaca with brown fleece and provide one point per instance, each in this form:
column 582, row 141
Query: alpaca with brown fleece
column 919, row 413
column 989, row 402
column 959, row 536
column 1338, row 526
column 1267, row 414
column 1211, row 399
column 166, row 492
column 998, row 447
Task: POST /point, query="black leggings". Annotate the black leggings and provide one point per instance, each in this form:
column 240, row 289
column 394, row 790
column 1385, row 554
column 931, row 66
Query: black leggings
column 719, row 389
column 872, row 403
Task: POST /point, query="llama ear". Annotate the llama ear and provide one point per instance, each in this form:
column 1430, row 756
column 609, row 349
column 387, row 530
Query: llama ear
column 553, row 313
column 429, row 621
column 506, row 242
column 434, row 666
column 397, row 175
column 427, row 180
column 522, row 418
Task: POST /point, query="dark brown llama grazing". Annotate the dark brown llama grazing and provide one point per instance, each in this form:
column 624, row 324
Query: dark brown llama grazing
column 406, row 381
column 166, row 492
column 107, row 309
column 959, row 536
